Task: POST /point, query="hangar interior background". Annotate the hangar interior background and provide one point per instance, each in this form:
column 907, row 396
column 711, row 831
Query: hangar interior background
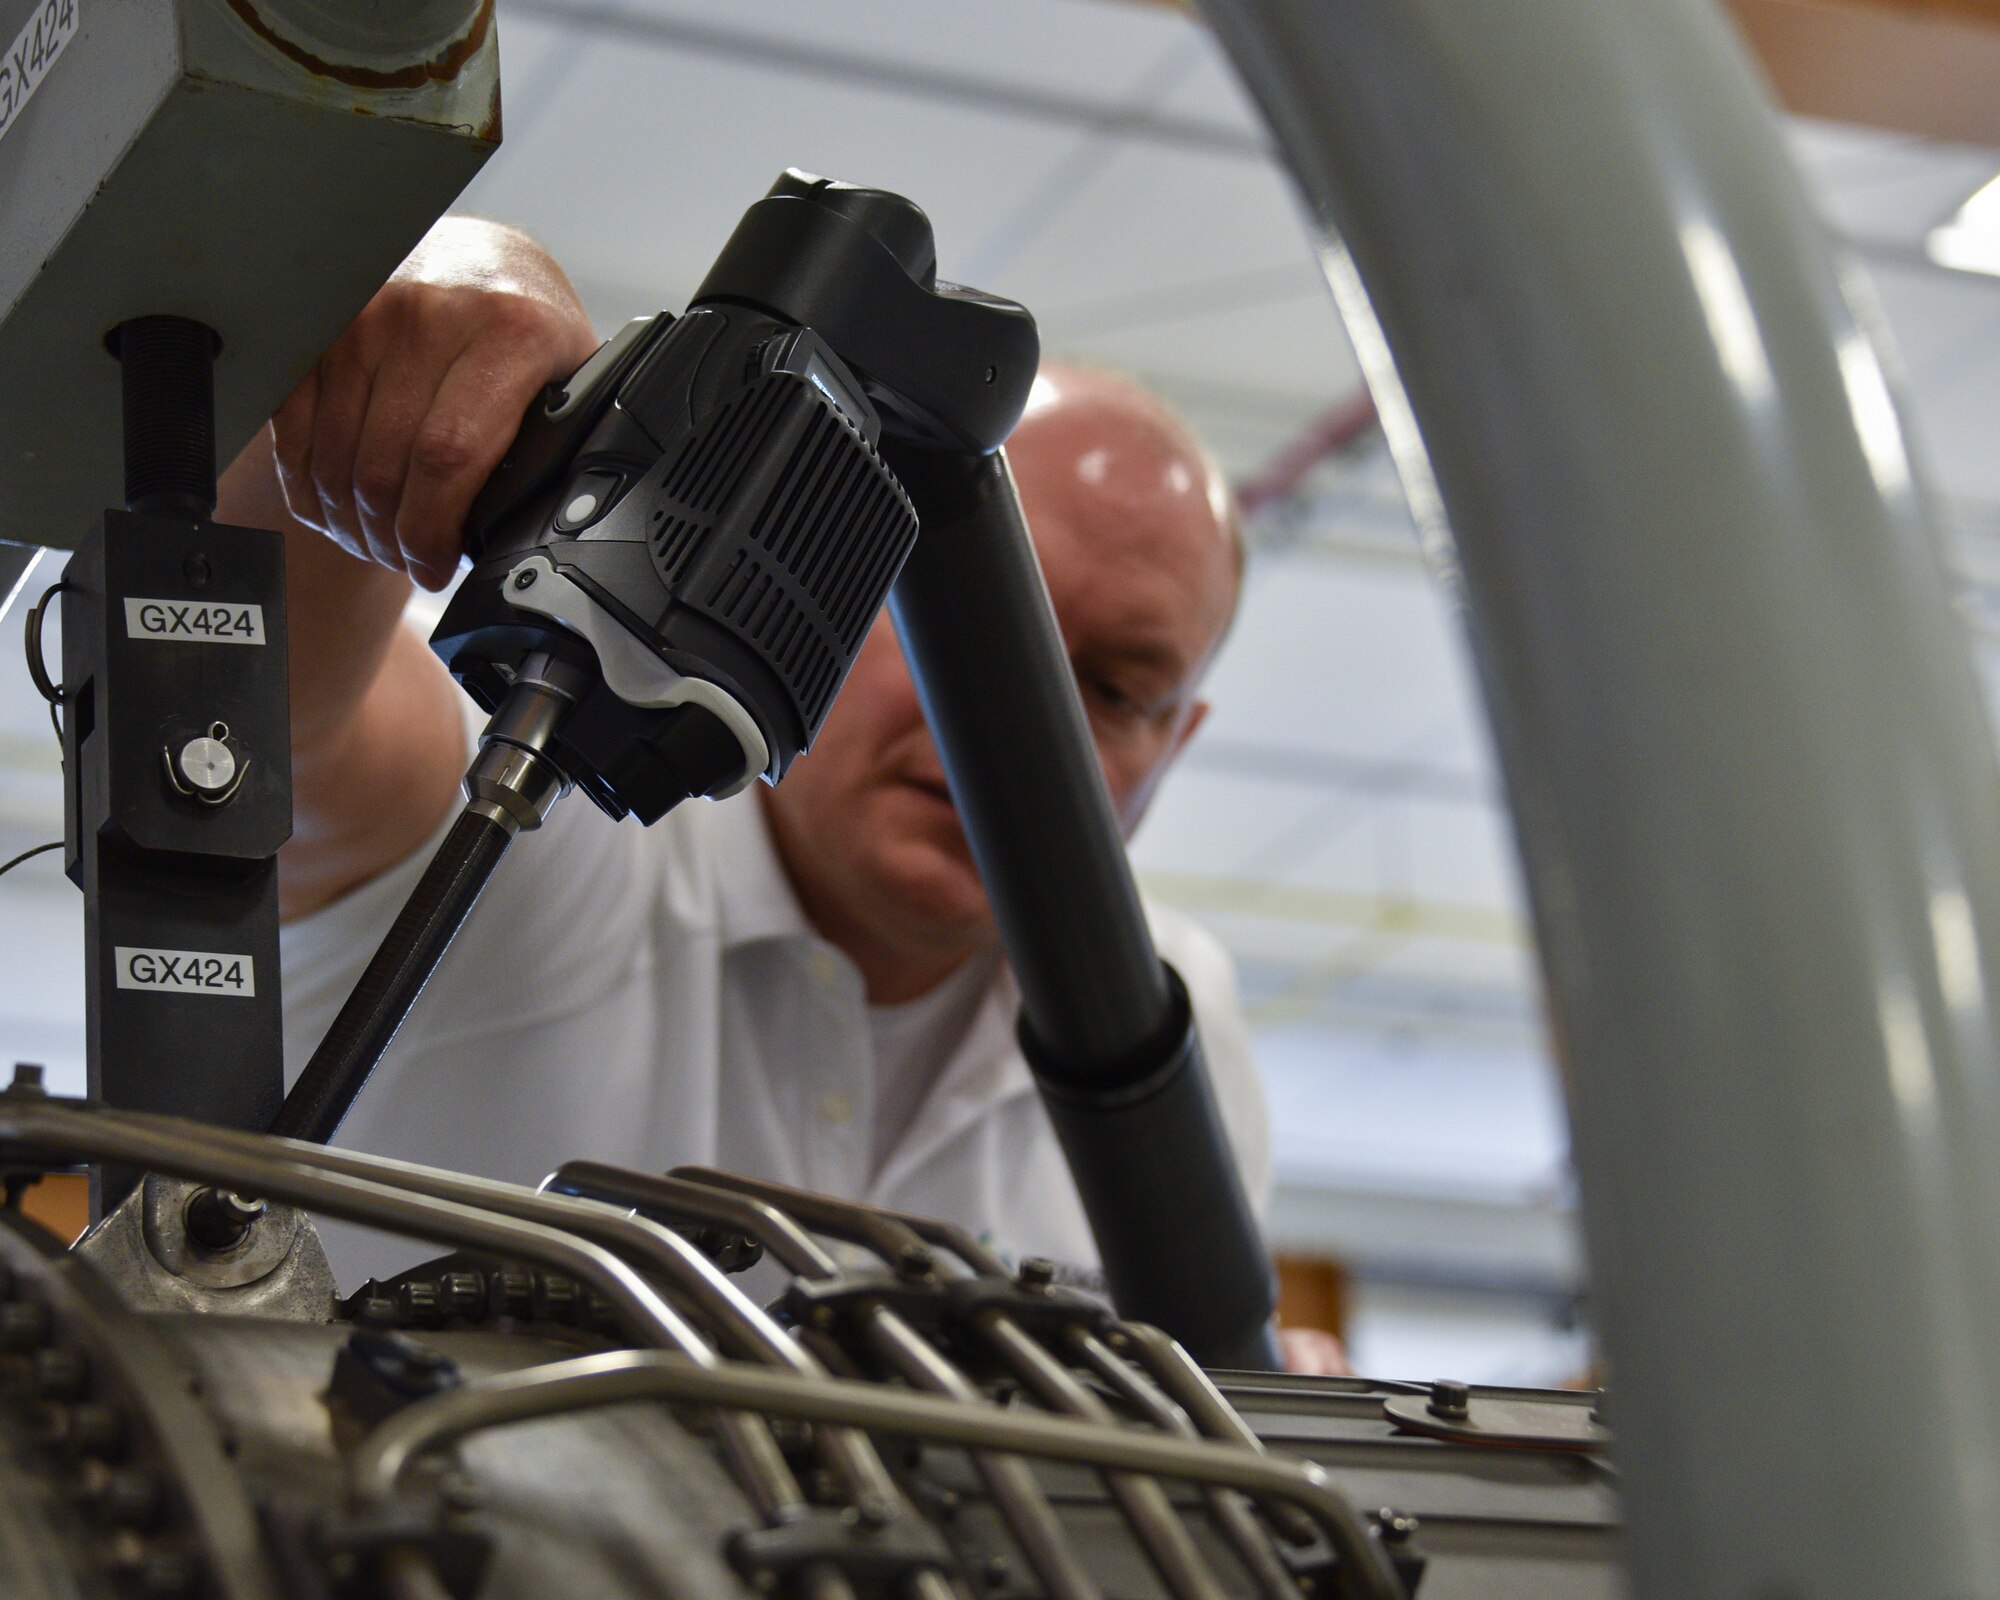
column 1338, row 821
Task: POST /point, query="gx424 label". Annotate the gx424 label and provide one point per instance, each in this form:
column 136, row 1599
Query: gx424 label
column 186, row 971
column 193, row 622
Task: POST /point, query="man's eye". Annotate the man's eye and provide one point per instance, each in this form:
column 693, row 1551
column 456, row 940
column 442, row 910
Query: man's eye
column 1110, row 696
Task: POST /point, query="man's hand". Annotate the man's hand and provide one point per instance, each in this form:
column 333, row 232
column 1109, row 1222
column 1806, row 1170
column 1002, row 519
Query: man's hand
column 385, row 443
column 383, row 446
column 1315, row 1352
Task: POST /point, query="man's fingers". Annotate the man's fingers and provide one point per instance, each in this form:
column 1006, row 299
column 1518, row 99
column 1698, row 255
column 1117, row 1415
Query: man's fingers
column 291, row 442
column 1315, row 1352
column 402, row 393
column 460, row 441
column 344, row 385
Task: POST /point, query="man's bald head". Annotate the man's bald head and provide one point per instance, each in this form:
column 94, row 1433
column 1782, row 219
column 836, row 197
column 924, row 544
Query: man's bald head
column 1133, row 450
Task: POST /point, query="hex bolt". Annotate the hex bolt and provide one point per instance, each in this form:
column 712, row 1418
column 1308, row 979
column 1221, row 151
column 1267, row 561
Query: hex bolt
column 60, row 1374
column 915, row 1262
column 167, row 1575
column 418, row 1303
column 556, row 1297
column 510, row 1293
column 95, row 1430
column 29, row 1078
column 524, row 580
column 462, row 1295
column 124, row 1551
column 1451, row 1400
column 52, row 1425
column 1393, row 1526
column 218, row 1220
column 24, row 1326
column 128, row 1497
column 1036, row 1274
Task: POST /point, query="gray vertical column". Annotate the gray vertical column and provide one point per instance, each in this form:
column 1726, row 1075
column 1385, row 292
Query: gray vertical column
column 1753, row 785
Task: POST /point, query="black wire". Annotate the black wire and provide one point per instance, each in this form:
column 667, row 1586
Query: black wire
column 29, row 855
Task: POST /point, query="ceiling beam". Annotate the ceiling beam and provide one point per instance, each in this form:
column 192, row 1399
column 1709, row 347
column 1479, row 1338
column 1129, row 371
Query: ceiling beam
column 1928, row 67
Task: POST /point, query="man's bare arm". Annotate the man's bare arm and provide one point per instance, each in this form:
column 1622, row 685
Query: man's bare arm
column 369, row 469
column 376, row 749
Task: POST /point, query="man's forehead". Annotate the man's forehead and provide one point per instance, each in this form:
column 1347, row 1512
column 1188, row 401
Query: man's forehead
column 1107, row 437
column 1114, row 476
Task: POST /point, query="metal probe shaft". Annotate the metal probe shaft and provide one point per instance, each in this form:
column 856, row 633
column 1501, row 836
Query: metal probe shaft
column 511, row 786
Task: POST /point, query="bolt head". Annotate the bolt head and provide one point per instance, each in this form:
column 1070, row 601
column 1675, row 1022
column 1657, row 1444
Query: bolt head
column 95, row 1430
column 167, row 1575
column 128, row 1497
column 1036, row 1272
column 207, row 764
column 524, row 580
column 1450, row 1400
column 59, row 1374
column 1393, row 1526
column 874, row 1511
column 219, row 1220
column 24, row 1326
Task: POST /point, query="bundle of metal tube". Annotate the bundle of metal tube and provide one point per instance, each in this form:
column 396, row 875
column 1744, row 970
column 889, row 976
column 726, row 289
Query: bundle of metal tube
column 417, row 1371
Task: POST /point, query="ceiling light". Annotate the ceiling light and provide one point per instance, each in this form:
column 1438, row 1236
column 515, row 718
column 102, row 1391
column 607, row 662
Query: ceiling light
column 1970, row 242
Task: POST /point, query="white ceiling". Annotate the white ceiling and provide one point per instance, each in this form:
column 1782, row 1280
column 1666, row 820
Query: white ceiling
column 1336, row 823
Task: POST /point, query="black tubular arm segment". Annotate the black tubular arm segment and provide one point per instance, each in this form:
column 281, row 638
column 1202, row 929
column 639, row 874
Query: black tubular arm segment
column 997, row 690
column 401, row 966
column 1105, row 1025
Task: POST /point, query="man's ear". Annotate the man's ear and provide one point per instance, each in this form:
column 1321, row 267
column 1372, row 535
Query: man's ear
column 1143, row 800
column 1196, row 718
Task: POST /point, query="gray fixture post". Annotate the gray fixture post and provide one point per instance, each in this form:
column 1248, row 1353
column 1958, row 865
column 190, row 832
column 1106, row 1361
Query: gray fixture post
column 1753, row 785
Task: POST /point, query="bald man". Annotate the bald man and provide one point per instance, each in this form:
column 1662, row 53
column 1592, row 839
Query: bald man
column 804, row 982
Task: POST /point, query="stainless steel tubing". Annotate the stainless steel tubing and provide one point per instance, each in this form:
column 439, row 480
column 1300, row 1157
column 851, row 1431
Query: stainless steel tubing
column 1754, row 790
column 1162, row 1537
column 961, row 1242
column 838, row 1219
column 1155, row 1525
column 1016, row 1494
column 243, row 1162
column 619, row 1377
column 1229, row 1510
column 1190, row 1388
column 659, row 1252
column 191, row 1150
column 690, row 1201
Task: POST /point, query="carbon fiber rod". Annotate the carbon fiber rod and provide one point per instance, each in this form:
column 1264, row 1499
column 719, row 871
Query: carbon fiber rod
column 1106, row 1026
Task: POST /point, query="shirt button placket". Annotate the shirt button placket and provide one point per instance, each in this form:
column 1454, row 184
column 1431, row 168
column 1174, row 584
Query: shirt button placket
column 841, row 1059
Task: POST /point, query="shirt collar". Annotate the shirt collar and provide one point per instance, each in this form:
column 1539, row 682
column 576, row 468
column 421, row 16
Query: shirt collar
column 753, row 898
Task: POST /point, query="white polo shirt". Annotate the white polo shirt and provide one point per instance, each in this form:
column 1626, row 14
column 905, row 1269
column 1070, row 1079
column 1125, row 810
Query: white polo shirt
column 655, row 996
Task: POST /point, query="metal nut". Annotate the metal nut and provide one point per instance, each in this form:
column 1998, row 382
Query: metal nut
column 60, row 1374
column 24, row 1326
column 1036, row 1273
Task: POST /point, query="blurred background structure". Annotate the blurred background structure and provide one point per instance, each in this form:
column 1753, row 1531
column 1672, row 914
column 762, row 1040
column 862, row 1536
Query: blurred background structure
column 1337, row 822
